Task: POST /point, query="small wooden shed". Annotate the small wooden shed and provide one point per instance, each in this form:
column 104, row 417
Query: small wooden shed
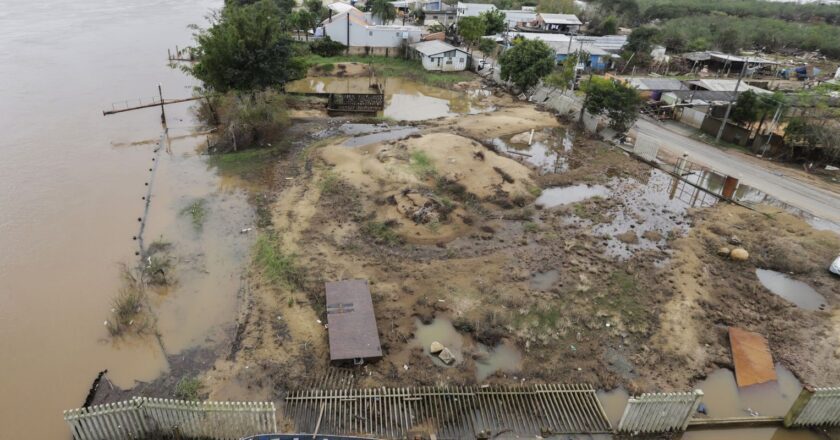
column 351, row 323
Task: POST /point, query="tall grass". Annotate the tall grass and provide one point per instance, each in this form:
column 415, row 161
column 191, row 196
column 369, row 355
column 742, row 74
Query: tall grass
column 127, row 306
column 278, row 267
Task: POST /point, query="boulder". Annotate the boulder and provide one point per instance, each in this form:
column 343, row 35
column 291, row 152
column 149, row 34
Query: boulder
column 446, row 356
column 739, row 254
column 724, row 251
column 436, row 347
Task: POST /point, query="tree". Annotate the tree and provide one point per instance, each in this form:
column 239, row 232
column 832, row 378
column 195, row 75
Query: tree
column 317, row 9
column 245, row 48
column 487, row 46
column 608, row 26
column 564, row 77
column 556, row 6
column 526, row 62
column 383, row 9
column 494, row 22
column 620, row 103
column 641, row 39
column 471, row 29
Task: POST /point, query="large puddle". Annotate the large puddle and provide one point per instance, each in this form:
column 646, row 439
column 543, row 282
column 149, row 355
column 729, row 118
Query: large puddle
column 797, row 292
column 505, row 357
column 543, row 149
column 565, row 195
column 405, row 100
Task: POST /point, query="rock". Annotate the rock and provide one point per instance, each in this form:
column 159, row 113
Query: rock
column 724, row 251
column 446, row 356
column 739, row 254
column 652, row 235
column 436, row 347
column 734, row 240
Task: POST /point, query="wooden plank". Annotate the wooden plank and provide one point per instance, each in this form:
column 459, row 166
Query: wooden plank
column 752, row 358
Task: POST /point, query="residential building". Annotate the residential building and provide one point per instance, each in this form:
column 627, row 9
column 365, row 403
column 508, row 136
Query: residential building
column 352, row 28
column 553, row 23
column 610, row 43
column 515, row 18
column 438, row 12
column 473, row 9
column 597, row 59
column 440, row 56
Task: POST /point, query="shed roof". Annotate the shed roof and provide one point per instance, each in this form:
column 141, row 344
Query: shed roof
column 725, row 85
column 659, row 84
column 725, row 57
column 560, row 18
column 434, row 47
column 351, row 321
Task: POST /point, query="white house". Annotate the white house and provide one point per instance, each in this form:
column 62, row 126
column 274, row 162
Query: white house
column 515, row 18
column 352, row 28
column 440, row 56
column 473, row 9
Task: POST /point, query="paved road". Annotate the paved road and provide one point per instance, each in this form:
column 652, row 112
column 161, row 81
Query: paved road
column 816, row 201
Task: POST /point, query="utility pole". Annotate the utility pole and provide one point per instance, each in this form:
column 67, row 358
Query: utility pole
column 729, row 106
column 586, row 98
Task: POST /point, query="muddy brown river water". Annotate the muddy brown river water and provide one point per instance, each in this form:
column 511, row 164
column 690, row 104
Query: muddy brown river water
column 71, row 183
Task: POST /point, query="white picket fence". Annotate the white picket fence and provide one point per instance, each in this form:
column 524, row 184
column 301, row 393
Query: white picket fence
column 659, row 412
column 143, row 416
column 815, row 407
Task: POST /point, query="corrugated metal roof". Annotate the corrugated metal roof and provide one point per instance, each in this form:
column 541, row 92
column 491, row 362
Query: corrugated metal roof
column 474, row 9
column 725, row 85
column 563, row 48
column 646, row 83
column 560, row 18
column 434, row 47
column 351, row 322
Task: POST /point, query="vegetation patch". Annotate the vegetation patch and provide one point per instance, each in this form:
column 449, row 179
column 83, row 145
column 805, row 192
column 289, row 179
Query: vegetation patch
column 197, row 212
column 395, row 67
column 127, row 308
column 422, row 164
column 188, row 388
column 381, row 232
column 278, row 267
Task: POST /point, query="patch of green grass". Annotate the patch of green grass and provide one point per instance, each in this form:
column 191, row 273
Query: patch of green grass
column 530, row 227
column 543, row 318
column 381, row 233
column 326, row 67
column 422, row 164
column 535, row 191
column 197, row 211
column 624, row 297
column 329, row 183
column 396, row 67
column 127, row 306
column 245, row 162
column 278, row 267
column 188, row 388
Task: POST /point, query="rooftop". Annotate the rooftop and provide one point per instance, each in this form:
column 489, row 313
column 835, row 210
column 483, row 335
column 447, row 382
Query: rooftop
column 646, row 83
column 474, row 9
column 725, row 57
column 725, row 85
column 560, row 18
column 351, row 322
column 433, row 47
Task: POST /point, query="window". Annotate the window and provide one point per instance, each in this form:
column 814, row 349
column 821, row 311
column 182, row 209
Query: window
column 461, row 60
column 370, row 33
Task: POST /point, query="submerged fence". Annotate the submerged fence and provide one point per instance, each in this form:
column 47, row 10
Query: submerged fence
column 661, row 412
column 143, row 417
column 449, row 412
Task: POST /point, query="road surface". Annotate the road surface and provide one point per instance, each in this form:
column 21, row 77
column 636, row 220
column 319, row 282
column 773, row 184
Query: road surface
column 811, row 199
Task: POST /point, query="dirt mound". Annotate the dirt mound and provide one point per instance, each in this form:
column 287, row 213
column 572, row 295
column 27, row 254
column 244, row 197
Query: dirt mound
column 421, row 184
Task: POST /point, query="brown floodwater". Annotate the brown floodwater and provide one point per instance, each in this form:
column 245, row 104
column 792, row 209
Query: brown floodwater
column 405, row 100
column 71, row 183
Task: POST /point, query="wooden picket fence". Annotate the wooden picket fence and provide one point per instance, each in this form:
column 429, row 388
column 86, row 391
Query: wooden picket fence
column 144, row 417
column 659, row 412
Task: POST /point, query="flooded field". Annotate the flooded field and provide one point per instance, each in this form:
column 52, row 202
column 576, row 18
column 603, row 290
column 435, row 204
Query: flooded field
column 71, row 183
column 405, row 100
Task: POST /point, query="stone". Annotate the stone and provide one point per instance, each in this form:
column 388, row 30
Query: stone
column 724, row 251
column 446, row 356
column 739, row 254
column 436, row 347
column 734, row 240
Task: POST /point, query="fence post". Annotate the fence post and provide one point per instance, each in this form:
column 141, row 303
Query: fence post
column 799, row 405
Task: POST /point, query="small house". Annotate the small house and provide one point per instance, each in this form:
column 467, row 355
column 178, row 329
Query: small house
column 554, row 23
column 597, row 59
column 440, row 56
column 353, row 28
column 515, row 18
column 351, row 323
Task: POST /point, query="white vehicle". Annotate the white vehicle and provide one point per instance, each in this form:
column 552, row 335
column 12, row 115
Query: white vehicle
column 835, row 266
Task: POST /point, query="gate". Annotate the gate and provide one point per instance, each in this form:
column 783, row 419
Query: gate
column 659, row 412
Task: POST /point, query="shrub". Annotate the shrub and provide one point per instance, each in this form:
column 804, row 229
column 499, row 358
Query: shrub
column 326, row 47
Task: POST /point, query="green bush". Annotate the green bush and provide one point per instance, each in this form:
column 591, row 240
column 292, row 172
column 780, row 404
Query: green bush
column 326, row 47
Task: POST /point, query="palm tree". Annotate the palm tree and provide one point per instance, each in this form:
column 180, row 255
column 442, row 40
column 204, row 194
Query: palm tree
column 384, row 10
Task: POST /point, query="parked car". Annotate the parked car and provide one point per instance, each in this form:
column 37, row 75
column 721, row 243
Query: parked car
column 835, row 266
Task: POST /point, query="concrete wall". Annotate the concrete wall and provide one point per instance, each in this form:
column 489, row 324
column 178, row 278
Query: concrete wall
column 732, row 133
column 692, row 117
column 446, row 64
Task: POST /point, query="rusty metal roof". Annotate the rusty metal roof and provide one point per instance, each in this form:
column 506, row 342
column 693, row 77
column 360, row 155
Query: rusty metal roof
column 351, row 321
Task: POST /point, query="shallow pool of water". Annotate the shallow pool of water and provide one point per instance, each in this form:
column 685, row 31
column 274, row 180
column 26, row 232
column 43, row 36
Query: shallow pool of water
column 797, row 292
column 543, row 152
column 405, row 100
column 504, row 357
column 557, row 196
column 392, row 134
column 723, row 398
column 614, row 403
column 441, row 330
